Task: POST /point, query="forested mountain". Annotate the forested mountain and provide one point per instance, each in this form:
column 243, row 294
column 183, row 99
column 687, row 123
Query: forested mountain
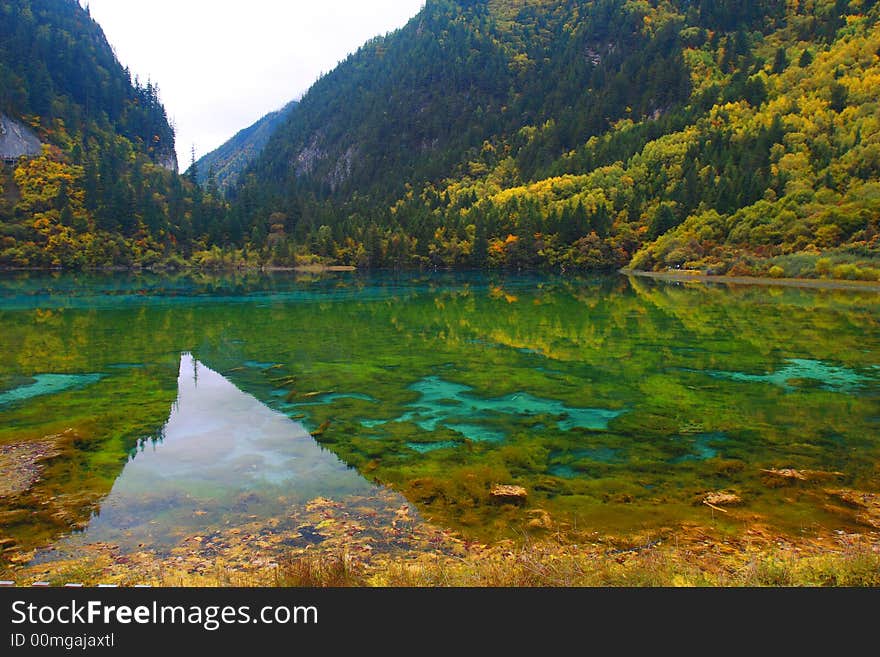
column 733, row 136
column 223, row 165
column 103, row 189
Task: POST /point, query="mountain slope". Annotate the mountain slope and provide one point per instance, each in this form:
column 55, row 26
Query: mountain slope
column 55, row 63
column 584, row 134
column 228, row 161
column 415, row 101
column 101, row 189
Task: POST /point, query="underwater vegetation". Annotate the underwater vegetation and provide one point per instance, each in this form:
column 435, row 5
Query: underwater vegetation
column 611, row 403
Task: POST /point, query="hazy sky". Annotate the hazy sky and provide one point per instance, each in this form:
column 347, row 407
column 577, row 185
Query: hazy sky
column 222, row 64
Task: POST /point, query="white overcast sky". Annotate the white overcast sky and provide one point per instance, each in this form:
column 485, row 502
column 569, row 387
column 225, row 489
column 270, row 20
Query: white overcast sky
column 222, row 64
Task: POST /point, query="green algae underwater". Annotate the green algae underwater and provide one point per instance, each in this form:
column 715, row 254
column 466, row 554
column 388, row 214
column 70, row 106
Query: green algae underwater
column 138, row 411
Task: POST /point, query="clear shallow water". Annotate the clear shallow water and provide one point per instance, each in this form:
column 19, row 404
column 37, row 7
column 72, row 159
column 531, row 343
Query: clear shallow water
column 803, row 371
column 221, row 459
column 440, row 402
column 47, row 384
column 180, row 404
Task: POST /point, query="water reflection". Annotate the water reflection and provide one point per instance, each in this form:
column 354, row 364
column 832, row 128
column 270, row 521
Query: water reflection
column 615, row 403
column 222, row 458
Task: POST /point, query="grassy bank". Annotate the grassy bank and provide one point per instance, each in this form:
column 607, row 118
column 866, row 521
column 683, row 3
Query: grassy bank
column 543, row 566
column 687, row 556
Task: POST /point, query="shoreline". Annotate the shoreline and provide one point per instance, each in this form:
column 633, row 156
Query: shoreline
column 816, row 283
column 672, row 276
column 312, row 269
column 429, row 556
column 302, row 269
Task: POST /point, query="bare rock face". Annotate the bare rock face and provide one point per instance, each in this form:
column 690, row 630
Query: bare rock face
column 307, row 159
column 168, row 161
column 342, row 170
column 17, row 140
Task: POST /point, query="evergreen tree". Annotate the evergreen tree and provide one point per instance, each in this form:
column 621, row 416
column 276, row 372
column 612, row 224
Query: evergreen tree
column 193, row 172
column 780, row 61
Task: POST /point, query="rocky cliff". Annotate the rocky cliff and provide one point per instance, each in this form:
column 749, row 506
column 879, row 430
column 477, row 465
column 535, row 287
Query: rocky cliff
column 17, row 140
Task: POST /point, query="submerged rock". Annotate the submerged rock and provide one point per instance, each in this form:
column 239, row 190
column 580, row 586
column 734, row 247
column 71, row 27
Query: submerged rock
column 21, row 464
column 12, row 516
column 507, row 494
column 786, row 473
column 783, row 476
column 721, row 498
column 866, row 505
column 540, row 519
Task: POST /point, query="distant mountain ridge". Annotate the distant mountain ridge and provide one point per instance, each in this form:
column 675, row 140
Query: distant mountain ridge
column 89, row 171
column 731, row 136
column 56, row 63
column 228, row 161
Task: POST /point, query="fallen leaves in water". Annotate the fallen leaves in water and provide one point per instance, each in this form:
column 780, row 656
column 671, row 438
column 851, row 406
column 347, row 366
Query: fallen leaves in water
column 375, row 540
column 249, row 552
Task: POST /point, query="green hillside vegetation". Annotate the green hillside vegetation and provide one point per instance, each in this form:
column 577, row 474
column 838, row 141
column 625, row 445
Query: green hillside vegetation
column 223, row 166
column 728, row 137
column 105, row 190
column 731, row 137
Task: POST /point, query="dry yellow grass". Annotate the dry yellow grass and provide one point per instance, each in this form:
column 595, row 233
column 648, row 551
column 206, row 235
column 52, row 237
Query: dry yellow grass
column 687, row 555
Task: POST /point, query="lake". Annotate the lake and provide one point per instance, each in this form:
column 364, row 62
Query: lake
column 140, row 411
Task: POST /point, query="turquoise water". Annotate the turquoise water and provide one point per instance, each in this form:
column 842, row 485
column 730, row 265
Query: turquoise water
column 703, row 447
column 178, row 405
column 48, row 384
column 798, row 372
column 441, row 402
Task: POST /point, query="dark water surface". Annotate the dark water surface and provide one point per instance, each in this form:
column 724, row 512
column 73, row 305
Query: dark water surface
column 138, row 410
